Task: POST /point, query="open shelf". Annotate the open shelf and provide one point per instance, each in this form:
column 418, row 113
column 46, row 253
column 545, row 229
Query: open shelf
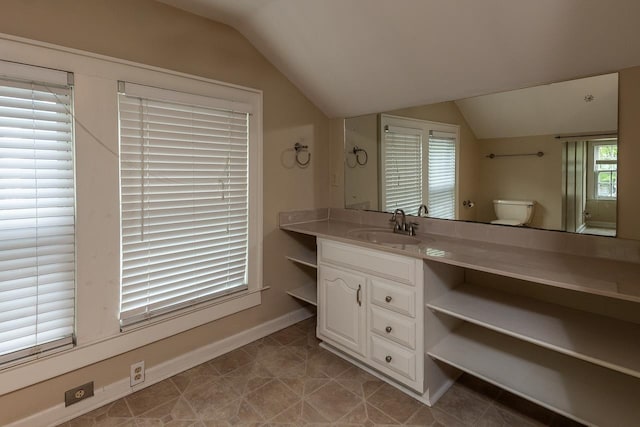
column 305, row 259
column 580, row 390
column 307, row 293
column 605, row 341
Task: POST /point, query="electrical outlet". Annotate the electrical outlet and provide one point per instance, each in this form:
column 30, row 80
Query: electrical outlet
column 137, row 373
column 77, row 394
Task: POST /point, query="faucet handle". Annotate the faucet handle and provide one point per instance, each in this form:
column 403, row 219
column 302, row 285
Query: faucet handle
column 411, row 228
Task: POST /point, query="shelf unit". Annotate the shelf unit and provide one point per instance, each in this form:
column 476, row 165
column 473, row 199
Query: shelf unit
column 305, row 259
column 307, row 292
column 514, row 334
column 601, row 340
column 580, row 390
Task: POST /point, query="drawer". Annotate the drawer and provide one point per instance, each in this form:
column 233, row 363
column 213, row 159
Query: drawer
column 393, row 296
column 396, row 267
column 392, row 359
column 393, row 326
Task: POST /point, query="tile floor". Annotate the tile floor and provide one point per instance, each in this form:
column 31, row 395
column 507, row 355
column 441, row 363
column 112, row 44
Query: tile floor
column 286, row 379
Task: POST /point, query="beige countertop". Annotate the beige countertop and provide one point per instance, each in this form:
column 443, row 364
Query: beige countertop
column 600, row 276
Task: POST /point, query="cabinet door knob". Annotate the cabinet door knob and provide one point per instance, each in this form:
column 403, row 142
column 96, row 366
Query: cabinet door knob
column 388, row 298
column 388, row 359
column 388, row 329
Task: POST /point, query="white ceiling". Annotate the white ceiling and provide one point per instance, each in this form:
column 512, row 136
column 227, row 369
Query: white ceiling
column 554, row 109
column 353, row 57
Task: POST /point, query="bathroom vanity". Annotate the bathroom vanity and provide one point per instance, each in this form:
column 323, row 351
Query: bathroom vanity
column 559, row 328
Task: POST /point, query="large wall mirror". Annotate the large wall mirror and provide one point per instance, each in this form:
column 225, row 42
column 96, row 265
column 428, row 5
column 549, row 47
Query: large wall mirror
column 542, row 157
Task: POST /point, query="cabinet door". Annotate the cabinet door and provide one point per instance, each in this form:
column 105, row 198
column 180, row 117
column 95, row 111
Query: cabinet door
column 341, row 308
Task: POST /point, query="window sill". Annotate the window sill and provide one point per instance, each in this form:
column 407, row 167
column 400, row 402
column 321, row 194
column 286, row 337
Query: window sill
column 49, row 366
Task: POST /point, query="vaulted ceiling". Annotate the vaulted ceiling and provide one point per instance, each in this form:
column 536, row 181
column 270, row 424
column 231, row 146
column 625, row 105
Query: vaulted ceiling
column 352, row 57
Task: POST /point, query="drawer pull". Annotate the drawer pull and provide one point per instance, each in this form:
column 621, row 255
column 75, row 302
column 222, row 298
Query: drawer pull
column 358, row 299
column 388, row 298
column 388, row 359
column 388, row 329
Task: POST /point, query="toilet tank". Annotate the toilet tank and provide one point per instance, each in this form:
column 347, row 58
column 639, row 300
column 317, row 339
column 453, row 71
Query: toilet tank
column 517, row 212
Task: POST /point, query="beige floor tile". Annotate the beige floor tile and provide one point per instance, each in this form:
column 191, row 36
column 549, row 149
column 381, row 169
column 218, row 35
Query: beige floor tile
column 194, row 377
column 462, row 404
column 272, row 398
column 232, row 361
column 446, row 420
column 213, row 401
column 111, row 415
column 333, row 400
column 512, row 403
column 495, row 417
column 289, row 335
column 423, row 417
column 394, row 403
column 284, row 364
column 287, row 380
column 152, row 397
column 359, row 382
column 323, row 364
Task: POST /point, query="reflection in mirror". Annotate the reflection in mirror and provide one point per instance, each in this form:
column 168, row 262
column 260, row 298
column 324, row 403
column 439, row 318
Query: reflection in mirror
column 542, row 157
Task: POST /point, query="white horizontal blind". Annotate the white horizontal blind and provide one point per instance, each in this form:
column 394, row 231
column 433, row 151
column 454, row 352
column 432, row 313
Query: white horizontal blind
column 402, row 168
column 37, row 215
column 184, row 200
column 442, row 175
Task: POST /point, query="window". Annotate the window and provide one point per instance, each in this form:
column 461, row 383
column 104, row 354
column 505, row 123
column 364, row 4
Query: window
column 442, row 194
column 414, row 174
column 184, row 178
column 37, row 212
column 605, row 156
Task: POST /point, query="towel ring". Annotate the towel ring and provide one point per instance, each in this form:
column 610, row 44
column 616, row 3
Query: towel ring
column 356, row 152
column 299, row 148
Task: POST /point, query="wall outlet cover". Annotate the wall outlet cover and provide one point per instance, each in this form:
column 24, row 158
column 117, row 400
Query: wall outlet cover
column 77, row 394
column 137, row 373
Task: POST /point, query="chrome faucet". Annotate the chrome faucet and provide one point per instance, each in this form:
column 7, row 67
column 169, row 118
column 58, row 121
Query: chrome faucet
column 421, row 208
column 398, row 226
column 403, row 227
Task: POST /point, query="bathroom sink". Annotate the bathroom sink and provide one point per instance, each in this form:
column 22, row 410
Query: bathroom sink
column 382, row 236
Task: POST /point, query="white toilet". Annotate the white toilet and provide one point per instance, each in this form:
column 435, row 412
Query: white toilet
column 513, row 212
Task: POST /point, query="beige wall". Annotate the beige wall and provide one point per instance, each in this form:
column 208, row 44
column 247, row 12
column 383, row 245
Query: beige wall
column 601, row 211
column 155, row 34
column 522, row 178
column 336, row 158
column 361, row 181
column 629, row 154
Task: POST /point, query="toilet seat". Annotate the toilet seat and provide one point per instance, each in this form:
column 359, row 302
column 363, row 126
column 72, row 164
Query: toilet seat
column 513, row 222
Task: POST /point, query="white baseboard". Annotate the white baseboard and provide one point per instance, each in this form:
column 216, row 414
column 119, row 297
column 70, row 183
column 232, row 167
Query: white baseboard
column 58, row 414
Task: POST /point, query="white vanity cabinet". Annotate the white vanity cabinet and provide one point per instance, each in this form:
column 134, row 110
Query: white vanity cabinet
column 370, row 309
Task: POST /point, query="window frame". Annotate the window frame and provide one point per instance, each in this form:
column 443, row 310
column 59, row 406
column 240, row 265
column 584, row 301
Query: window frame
column 594, row 168
column 166, row 94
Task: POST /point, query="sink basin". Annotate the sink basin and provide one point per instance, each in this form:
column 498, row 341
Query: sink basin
column 383, row 236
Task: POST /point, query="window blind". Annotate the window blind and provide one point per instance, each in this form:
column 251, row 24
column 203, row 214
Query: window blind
column 442, row 175
column 37, row 213
column 402, row 169
column 184, row 202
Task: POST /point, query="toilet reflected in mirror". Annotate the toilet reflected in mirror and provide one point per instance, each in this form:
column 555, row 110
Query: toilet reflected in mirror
column 516, row 213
